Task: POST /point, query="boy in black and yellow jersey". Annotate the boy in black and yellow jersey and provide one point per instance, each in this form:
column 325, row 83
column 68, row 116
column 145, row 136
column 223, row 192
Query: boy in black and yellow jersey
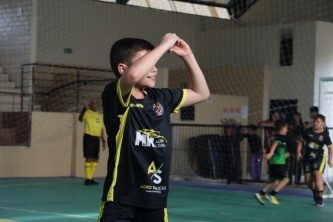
column 93, row 132
column 137, row 121
column 314, row 159
column 277, row 165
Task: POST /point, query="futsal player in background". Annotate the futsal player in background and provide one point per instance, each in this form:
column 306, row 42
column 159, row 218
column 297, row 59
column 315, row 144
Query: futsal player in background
column 93, row 133
column 277, row 165
column 137, row 121
column 314, row 159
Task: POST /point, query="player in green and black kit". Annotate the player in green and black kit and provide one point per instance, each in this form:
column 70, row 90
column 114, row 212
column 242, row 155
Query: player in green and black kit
column 314, row 159
column 277, row 165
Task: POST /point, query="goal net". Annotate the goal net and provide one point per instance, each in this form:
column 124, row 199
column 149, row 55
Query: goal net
column 258, row 57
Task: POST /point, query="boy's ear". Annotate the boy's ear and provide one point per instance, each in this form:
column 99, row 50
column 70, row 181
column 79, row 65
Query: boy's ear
column 122, row 68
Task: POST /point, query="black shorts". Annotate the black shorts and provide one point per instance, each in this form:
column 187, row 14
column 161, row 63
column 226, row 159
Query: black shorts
column 114, row 212
column 314, row 164
column 90, row 147
column 278, row 172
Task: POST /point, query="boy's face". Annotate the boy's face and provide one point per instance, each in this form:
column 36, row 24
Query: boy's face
column 318, row 124
column 284, row 130
column 149, row 80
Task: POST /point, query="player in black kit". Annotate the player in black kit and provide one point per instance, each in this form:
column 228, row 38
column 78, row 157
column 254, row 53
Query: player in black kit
column 314, row 159
column 137, row 121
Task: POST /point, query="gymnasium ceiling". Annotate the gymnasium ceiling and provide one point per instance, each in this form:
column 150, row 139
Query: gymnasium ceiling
column 224, row 9
column 235, row 8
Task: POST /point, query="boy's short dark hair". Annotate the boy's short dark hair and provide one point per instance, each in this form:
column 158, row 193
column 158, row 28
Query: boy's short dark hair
column 320, row 116
column 314, row 109
column 280, row 124
column 123, row 50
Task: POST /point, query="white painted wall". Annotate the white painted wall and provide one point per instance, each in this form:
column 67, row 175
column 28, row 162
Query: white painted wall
column 260, row 45
column 91, row 27
column 323, row 96
column 269, row 12
column 323, row 55
column 217, row 108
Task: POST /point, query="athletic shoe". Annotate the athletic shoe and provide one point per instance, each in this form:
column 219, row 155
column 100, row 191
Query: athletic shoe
column 272, row 199
column 93, row 182
column 87, row 182
column 260, row 198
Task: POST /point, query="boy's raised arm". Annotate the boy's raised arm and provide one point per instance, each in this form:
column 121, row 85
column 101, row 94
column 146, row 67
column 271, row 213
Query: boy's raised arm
column 198, row 90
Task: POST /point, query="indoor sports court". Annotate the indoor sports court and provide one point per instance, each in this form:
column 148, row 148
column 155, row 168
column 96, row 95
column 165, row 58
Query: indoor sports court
column 65, row 199
column 263, row 60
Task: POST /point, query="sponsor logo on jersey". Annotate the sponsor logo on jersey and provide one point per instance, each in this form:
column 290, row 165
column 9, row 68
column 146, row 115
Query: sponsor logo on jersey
column 313, row 145
column 149, row 138
column 156, row 179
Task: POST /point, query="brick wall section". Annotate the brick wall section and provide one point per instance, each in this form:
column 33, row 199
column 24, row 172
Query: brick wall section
column 15, row 36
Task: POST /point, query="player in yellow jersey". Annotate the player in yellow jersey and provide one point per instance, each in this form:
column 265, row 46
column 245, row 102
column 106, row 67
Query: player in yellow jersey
column 93, row 133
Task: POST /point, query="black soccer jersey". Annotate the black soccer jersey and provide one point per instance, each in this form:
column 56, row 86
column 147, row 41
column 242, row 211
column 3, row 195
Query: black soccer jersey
column 139, row 139
column 315, row 143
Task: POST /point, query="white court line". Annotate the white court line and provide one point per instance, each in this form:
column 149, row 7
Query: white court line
column 24, row 184
column 36, row 184
column 49, row 213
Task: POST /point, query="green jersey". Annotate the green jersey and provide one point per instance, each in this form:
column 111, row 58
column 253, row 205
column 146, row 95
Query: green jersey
column 279, row 156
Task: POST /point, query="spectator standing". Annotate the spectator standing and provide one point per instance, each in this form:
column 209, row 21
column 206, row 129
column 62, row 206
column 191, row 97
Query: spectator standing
column 295, row 131
column 256, row 153
column 231, row 153
column 313, row 112
column 269, row 129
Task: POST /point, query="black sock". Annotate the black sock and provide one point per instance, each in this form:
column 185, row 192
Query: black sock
column 273, row 193
column 314, row 193
column 262, row 192
column 319, row 199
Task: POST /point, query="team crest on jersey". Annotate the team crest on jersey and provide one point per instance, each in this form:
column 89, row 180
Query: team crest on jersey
column 158, row 109
column 321, row 138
